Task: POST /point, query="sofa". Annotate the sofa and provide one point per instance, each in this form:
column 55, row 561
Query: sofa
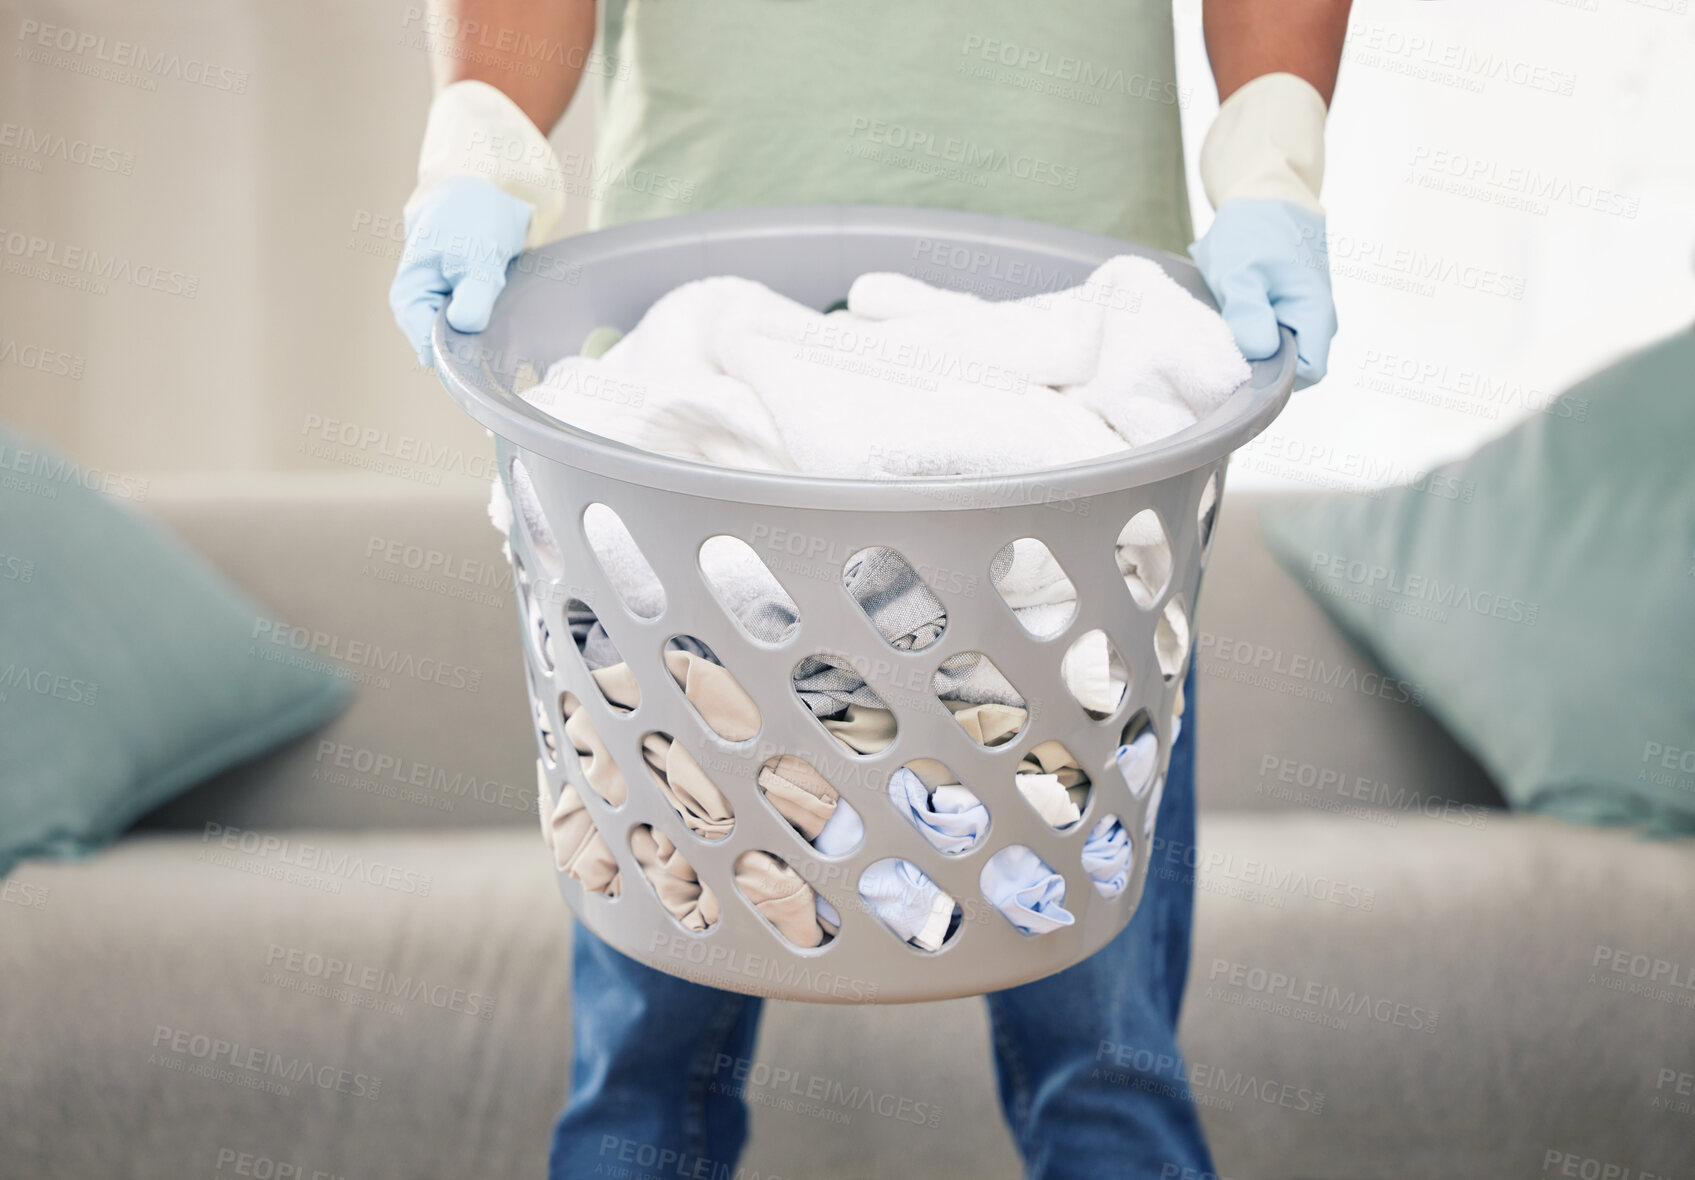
column 349, row 958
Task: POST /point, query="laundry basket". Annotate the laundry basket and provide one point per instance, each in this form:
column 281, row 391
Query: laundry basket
column 805, row 530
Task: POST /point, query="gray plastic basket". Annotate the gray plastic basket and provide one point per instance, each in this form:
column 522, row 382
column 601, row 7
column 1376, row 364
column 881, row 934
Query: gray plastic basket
column 555, row 297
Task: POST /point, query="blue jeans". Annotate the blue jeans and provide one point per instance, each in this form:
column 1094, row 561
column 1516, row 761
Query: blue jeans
column 1091, row 1083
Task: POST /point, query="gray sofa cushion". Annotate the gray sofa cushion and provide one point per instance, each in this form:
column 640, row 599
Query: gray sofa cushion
column 1430, row 999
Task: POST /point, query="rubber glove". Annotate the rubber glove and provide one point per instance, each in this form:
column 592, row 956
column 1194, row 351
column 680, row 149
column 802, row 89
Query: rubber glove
column 1267, row 264
column 459, row 240
column 489, row 187
column 1265, row 256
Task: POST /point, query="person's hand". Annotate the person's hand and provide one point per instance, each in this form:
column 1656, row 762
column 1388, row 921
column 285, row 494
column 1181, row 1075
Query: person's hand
column 1265, row 256
column 1266, row 263
column 460, row 238
column 489, row 187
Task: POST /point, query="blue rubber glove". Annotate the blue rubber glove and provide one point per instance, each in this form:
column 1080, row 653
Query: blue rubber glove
column 1268, row 263
column 460, row 238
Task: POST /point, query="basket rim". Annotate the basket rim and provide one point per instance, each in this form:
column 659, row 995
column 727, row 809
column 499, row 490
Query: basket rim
column 469, row 380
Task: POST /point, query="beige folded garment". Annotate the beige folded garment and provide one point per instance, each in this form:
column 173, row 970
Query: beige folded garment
column 680, row 891
column 779, row 893
column 603, row 775
column 721, row 702
column 989, row 724
column 695, row 796
column 618, row 685
column 799, row 793
column 865, row 730
column 579, row 850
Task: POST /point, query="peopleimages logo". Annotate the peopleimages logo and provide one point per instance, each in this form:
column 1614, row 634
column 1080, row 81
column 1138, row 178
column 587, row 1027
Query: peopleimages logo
column 92, row 49
column 283, row 850
column 1090, row 78
column 1278, row 985
column 714, row 960
column 334, row 971
column 49, row 361
column 358, row 766
column 1395, row 584
column 53, row 145
column 61, row 687
column 980, row 159
column 372, row 657
column 86, row 268
column 747, row 1074
column 250, row 1065
column 1582, row 1167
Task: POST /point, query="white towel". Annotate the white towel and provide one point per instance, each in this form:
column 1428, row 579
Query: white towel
column 910, row 380
column 1166, row 360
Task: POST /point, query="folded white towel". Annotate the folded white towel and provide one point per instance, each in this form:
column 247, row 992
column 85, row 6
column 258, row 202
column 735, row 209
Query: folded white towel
column 910, row 380
column 1166, row 360
column 1036, row 337
column 861, row 399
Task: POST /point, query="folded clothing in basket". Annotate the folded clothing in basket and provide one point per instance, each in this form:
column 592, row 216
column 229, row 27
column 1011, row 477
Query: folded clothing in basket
column 949, row 815
column 908, row 379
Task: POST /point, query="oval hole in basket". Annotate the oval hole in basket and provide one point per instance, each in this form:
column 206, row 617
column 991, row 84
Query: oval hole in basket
column 579, row 849
column 611, row 675
column 703, row 808
column 538, row 635
column 623, row 562
column 1108, row 856
column 902, row 609
column 784, row 901
column 599, row 772
column 527, row 514
column 1054, row 784
column 850, row 710
column 810, row 805
column 1143, row 554
column 1171, row 639
column 547, row 736
column 716, row 696
column 982, row 700
column 747, row 589
column 1035, row 586
column 909, row 905
column 1138, row 753
column 1026, row 891
column 1207, row 515
column 930, row 797
column 691, row 904
column 1095, row 674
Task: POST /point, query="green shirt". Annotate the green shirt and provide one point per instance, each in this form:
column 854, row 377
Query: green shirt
column 1062, row 111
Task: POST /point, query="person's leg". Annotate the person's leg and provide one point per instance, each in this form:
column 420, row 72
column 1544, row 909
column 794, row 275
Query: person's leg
column 1091, row 1082
column 653, row 1075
